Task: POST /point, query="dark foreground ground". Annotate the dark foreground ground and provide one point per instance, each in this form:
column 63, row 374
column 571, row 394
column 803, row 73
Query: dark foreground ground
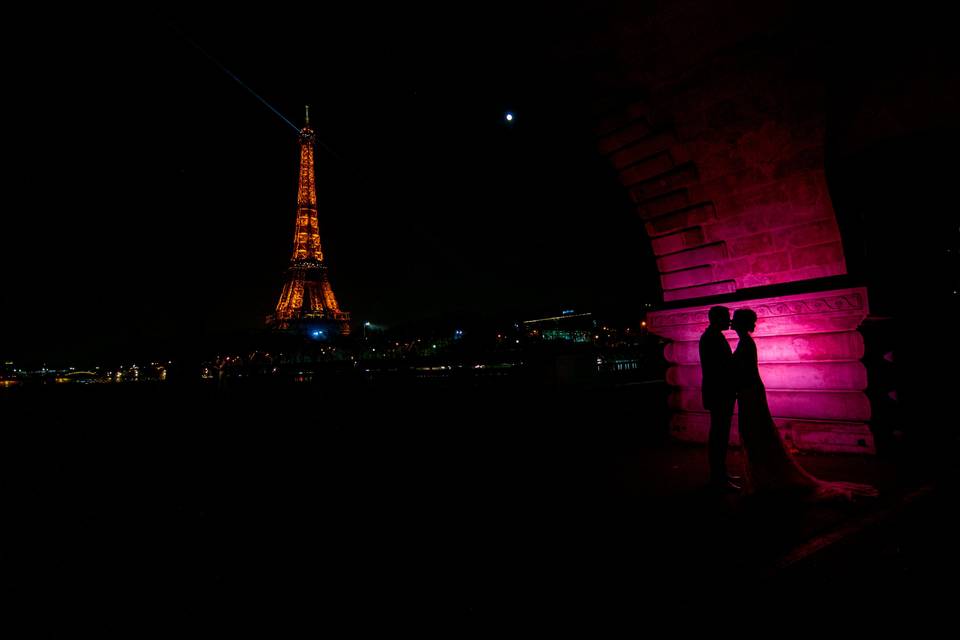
column 466, row 510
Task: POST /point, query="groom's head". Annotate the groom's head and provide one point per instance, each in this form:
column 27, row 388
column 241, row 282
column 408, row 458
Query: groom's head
column 719, row 317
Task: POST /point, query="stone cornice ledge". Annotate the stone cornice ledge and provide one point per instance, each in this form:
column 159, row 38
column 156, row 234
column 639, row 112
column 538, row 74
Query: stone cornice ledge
column 817, row 312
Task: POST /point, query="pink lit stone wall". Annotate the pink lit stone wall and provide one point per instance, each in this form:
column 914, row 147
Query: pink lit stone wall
column 723, row 155
column 714, row 123
column 809, row 353
column 741, row 205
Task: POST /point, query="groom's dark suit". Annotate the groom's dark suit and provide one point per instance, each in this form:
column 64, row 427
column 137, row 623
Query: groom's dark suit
column 719, row 396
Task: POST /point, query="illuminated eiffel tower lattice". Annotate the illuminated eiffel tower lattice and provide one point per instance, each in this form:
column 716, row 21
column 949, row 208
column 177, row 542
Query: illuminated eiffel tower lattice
column 307, row 301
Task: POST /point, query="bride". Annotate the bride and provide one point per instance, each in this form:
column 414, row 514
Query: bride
column 770, row 469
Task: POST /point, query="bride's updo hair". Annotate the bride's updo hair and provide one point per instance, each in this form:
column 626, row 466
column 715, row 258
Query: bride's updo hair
column 745, row 318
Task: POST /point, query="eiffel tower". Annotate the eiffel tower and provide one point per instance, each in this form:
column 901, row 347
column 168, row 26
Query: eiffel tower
column 307, row 302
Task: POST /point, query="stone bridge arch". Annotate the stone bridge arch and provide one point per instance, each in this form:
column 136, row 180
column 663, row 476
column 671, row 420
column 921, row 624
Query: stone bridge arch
column 716, row 125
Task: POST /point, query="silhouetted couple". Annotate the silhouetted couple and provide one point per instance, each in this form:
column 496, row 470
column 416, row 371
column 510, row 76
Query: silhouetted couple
column 733, row 377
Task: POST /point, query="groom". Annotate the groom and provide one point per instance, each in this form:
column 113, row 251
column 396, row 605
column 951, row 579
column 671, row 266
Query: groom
column 719, row 395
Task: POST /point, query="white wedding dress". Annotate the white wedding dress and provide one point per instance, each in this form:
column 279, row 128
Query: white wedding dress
column 770, row 469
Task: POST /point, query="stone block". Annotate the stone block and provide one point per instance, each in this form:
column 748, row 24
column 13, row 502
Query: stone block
column 831, row 436
column 707, row 254
column 732, row 269
column 690, row 217
column 821, row 347
column 831, row 376
column 751, row 245
column 739, row 226
column 687, row 278
column 770, row 263
column 816, row 255
column 714, row 289
column 686, row 239
column 678, row 177
column 802, row 235
column 819, row 271
column 663, row 204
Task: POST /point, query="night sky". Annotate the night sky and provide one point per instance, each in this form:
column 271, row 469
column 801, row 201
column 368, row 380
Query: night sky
column 150, row 199
column 154, row 197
